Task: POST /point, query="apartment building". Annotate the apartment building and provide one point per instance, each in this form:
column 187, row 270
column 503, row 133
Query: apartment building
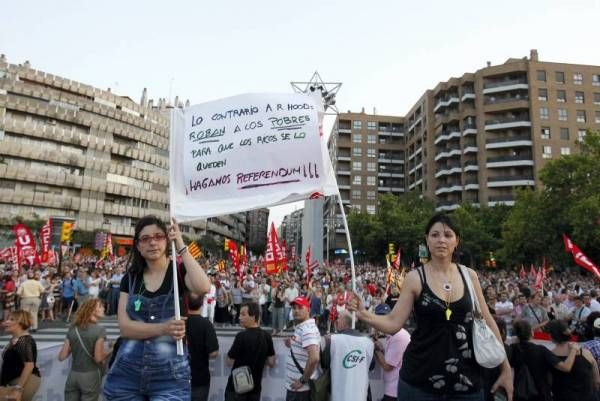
column 71, row 150
column 474, row 138
column 257, row 226
column 368, row 155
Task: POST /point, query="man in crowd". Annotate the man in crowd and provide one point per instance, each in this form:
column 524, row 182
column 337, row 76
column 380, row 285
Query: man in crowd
column 389, row 356
column 82, row 287
column 580, row 313
column 534, row 313
column 115, row 285
column 202, row 346
column 302, row 361
column 208, row 309
column 252, row 347
column 30, row 292
column 349, row 355
column 504, row 308
column 290, row 293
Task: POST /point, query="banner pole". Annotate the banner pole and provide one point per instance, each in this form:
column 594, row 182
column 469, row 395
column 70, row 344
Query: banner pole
column 176, row 294
column 339, row 198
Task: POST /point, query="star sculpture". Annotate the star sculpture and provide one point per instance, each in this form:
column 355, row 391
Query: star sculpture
column 328, row 90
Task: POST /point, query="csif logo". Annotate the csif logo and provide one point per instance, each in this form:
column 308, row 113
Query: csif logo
column 353, row 358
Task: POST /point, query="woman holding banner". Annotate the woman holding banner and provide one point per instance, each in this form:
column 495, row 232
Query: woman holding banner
column 439, row 361
column 147, row 365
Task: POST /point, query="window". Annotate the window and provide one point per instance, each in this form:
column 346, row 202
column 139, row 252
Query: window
column 541, row 75
column 577, row 78
column 596, row 79
column 545, row 133
column 357, row 180
column 565, row 151
column 371, row 166
column 561, row 96
column 370, row 180
column 371, row 195
column 372, row 125
column 581, row 116
column 597, row 115
column 372, row 153
column 357, row 124
column 579, row 97
column 356, row 166
column 371, row 138
column 564, row 134
column 562, row 115
column 580, row 135
column 371, row 209
column 356, row 138
column 547, row 152
column 596, row 98
column 357, row 151
column 543, row 94
column 544, row 113
column 356, row 194
column 559, row 77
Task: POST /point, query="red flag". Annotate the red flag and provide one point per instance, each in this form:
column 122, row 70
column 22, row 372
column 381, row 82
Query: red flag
column 309, row 265
column 541, row 275
column 580, row 258
column 522, row 273
column 45, row 239
column 7, row 254
column 532, row 273
column 26, row 244
column 275, row 257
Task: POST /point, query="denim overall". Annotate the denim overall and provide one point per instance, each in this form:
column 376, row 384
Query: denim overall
column 149, row 369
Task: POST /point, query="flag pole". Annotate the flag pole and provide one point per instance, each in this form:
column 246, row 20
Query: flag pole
column 176, row 294
column 339, row 198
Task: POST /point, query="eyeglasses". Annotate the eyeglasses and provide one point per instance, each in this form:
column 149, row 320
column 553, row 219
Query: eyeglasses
column 156, row 237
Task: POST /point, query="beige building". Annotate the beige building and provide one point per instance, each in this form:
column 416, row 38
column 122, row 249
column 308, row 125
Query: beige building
column 471, row 139
column 69, row 149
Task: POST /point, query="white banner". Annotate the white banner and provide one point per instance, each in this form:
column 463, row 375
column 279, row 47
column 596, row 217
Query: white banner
column 54, row 374
column 246, row 152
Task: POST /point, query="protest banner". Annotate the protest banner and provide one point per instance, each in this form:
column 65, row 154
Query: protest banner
column 246, row 152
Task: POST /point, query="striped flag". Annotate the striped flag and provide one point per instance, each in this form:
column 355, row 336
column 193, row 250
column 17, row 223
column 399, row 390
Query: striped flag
column 194, row 250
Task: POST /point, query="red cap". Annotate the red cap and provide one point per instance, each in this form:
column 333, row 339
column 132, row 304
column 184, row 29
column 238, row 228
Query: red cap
column 301, row 301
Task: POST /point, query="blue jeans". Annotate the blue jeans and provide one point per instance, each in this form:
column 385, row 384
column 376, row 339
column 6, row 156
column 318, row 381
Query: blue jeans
column 408, row 392
column 149, row 369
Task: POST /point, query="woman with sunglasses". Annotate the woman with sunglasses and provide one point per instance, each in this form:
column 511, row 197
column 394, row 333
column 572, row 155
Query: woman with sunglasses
column 147, row 366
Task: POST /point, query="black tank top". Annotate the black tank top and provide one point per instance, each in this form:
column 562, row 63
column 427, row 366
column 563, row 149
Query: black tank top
column 575, row 385
column 439, row 358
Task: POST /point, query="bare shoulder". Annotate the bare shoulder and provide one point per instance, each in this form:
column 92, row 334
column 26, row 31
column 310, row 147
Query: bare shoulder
column 412, row 281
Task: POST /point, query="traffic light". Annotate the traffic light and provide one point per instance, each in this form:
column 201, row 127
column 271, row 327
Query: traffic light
column 66, row 232
column 226, row 245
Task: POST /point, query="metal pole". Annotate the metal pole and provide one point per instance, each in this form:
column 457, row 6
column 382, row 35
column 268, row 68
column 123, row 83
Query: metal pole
column 176, row 293
column 350, row 251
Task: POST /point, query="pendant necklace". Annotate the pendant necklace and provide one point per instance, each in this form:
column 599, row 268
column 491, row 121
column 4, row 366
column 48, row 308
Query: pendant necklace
column 137, row 304
column 447, row 286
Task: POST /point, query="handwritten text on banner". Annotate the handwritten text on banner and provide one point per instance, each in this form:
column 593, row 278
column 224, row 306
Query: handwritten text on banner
column 246, row 152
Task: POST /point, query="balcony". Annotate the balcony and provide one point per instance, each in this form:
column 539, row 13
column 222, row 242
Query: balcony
column 448, row 187
column 470, row 165
column 509, row 161
column 391, row 173
column 343, row 172
column 343, row 157
column 446, row 102
column 467, row 94
column 508, row 142
column 444, row 206
column 418, row 166
column 414, row 124
column 506, row 99
column 448, row 170
column 343, row 186
column 501, row 200
column 508, row 122
column 419, row 150
column 470, row 146
column 471, row 183
column 398, row 189
column 448, row 152
column 511, row 181
column 388, row 132
column 384, row 189
column 469, row 129
column 505, row 85
column 447, row 135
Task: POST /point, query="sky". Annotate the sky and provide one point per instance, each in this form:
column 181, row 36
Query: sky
column 386, row 53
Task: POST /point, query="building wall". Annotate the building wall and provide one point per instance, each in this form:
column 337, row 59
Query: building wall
column 69, row 149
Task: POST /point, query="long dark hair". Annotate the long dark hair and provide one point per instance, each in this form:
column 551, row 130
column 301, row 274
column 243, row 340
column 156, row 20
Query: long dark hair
column 136, row 262
column 447, row 221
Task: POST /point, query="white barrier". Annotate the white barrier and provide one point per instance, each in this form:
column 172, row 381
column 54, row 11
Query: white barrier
column 54, row 374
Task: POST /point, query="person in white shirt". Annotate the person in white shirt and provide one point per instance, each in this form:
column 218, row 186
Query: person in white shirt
column 591, row 302
column 580, row 313
column 504, row 308
column 350, row 359
column 303, row 358
column 290, row 293
column 208, row 308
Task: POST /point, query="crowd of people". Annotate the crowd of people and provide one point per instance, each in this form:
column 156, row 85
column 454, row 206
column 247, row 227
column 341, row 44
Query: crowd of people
column 419, row 334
